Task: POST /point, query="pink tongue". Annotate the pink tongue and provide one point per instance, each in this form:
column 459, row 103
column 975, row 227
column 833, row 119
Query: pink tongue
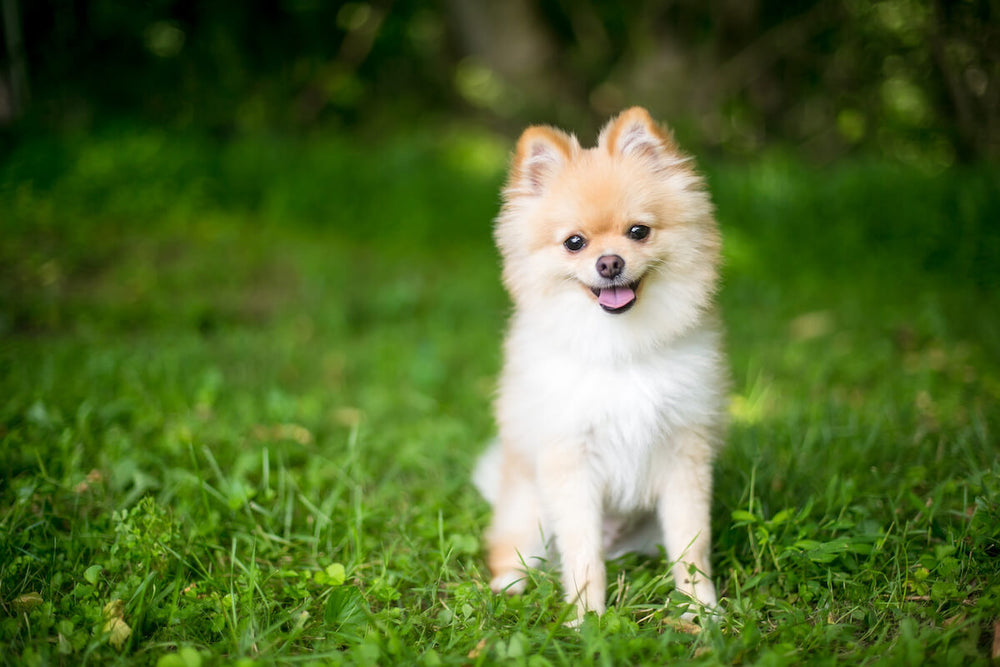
column 615, row 297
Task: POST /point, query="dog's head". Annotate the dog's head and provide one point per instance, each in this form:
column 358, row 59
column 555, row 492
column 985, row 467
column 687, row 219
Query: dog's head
column 625, row 227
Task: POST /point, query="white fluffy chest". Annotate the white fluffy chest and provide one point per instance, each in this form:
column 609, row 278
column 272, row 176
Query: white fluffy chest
column 621, row 411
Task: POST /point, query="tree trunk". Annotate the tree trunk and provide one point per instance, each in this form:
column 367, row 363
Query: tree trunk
column 14, row 81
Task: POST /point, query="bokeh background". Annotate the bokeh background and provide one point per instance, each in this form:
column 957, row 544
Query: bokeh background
column 910, row 80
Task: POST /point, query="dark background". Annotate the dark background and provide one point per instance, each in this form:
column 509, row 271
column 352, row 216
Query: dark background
column 909, row 80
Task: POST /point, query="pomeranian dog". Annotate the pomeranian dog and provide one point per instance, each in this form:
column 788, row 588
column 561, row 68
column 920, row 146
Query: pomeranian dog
column 611, row 402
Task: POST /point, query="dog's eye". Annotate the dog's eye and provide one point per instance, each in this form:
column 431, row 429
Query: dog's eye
column 575, row 243
column 638, row 232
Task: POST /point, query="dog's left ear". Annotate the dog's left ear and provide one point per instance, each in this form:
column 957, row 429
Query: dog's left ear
column 541, row 154
column 634, row 132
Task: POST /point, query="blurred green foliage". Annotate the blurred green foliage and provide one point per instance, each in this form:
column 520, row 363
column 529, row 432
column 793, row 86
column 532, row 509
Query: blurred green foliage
column 914, row 80
column 243, row 382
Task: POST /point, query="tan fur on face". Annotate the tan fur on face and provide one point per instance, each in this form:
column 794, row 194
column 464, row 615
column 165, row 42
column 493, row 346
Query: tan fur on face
column 557, row 189
column 605, row 418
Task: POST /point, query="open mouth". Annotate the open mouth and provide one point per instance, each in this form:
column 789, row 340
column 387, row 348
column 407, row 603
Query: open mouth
column 616, row 298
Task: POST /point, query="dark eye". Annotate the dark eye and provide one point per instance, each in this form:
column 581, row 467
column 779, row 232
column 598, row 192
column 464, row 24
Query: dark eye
column 638, row 232
column 575, row 243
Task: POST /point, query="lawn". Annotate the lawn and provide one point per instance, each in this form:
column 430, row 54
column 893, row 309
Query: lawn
column 243, row 382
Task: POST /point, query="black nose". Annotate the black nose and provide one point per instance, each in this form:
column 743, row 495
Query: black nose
column 610, row 266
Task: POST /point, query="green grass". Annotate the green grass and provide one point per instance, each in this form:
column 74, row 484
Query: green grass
column 243, row 383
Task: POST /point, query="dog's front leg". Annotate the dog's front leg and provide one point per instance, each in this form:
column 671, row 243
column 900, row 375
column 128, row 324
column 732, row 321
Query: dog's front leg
column 515, row 534
column 685, row 508
column 573, row 507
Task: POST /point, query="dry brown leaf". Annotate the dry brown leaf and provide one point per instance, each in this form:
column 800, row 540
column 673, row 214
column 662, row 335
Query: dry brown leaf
column 28, row 601
column 115, row 625
column 680, row 625
column 474, row 653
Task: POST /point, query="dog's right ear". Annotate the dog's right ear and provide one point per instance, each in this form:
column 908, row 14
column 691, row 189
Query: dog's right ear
column 541, row 153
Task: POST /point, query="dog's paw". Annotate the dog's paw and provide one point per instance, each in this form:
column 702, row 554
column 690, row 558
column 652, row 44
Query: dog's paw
column 704, row 612
column 578, row 618
column 697, row 601
column 697, row 612
column 512, row 583
column 699, row 598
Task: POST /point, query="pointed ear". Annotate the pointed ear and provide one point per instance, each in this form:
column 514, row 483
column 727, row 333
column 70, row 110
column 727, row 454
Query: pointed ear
column 541, row 153
column 634, row 132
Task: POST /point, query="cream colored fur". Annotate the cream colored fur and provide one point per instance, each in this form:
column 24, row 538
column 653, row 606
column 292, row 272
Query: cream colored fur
column 608, row 421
